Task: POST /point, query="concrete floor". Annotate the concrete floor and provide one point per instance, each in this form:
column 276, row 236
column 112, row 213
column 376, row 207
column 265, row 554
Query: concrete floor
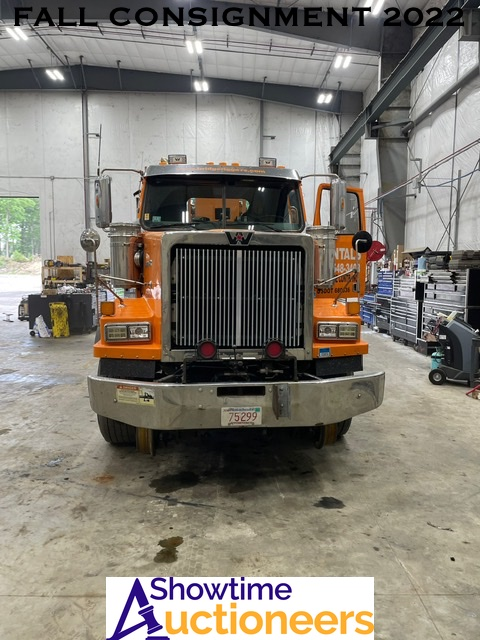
column 75, row 509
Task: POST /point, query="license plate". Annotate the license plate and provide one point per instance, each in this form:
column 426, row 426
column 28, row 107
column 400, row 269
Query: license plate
column 241, row 416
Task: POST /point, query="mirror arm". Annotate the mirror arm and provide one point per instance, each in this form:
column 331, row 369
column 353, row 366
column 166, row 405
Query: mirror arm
column 107, row 286
column 340, row 275
column 139, row 171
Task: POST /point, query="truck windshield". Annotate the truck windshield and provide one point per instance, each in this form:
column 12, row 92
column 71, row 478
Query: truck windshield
column 204, row 202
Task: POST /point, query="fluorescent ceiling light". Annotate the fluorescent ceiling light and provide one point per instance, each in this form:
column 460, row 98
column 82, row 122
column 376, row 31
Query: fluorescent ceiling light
column 12, row 33
column 54, row 74
column 189, row 46
column 21, row 33
column 325, row 98
column 338, row 62
column 198, row 46
column 347, row 61
column 197, row 85
column 205, row 85
column 377, row 8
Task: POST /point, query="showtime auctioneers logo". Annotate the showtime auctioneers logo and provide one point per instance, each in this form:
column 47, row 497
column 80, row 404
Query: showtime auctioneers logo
column 260, row 608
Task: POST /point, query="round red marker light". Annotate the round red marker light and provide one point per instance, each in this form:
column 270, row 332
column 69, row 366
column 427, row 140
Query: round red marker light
column 206, row 349
column 274, row 349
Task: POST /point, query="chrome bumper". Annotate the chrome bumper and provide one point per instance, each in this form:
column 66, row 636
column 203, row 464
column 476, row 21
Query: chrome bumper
column 198, row 406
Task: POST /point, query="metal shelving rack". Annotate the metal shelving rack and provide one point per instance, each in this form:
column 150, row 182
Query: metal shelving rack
column 446, row 292
column 368, row 309
column 406, row 309
column 375, row 306
column 384, row 299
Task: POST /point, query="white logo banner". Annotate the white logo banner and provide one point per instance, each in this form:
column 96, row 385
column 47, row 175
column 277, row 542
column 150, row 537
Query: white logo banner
column 243, row 608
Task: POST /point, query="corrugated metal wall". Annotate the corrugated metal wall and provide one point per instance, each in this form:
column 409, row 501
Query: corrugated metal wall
column 446, row 129
column 42, row 147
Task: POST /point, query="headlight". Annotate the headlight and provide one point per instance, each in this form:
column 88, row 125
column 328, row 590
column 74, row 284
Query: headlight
column 326, row 330
column 348, row 330
column 126, row 332
column 337, row 330
column 139, row 331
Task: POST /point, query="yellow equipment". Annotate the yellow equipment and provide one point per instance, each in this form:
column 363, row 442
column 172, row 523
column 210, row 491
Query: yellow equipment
column 59, row 315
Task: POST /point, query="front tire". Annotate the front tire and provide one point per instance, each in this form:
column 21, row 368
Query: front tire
column 115, row 432
column 325, row 435
column 343, row 427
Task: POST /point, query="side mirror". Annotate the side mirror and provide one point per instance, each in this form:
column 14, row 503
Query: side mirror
column 103, row 202
column 362, row 241
column 90, row 240
column 338, row 204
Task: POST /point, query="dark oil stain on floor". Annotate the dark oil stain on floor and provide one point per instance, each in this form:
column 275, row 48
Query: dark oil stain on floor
column 104, row 479
column 174, row 482
column 79, row 511
column 237, row 463
column 168, row 553
column 327, row 502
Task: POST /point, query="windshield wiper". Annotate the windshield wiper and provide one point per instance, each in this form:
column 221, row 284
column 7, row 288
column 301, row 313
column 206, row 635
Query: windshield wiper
column 187, row 225
column 264, row 225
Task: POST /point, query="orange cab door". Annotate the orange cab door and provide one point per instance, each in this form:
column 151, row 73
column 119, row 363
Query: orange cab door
column 345, row 255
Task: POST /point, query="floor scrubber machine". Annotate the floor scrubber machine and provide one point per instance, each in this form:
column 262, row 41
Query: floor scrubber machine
column 458, row 355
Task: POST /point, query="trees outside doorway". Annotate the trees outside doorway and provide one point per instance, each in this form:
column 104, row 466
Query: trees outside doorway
column 19, row 228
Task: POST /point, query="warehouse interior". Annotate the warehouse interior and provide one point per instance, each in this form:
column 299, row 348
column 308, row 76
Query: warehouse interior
column 393, row 111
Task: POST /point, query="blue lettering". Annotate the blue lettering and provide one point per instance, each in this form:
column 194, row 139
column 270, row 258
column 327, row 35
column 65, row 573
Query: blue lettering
column 215, row 593
column 170, row 589
column 194, row 585
column 163, row 591
column 283, row 591
column 176, row 585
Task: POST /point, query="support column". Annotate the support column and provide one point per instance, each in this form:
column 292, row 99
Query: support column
column 392, row 148
column 86, row 160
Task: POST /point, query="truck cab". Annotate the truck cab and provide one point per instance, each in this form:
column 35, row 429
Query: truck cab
column 242, row 315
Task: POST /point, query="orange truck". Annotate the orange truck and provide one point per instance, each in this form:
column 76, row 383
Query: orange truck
column 238, row 313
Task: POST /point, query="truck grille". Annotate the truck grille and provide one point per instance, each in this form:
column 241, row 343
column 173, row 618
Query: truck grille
column 237, row 297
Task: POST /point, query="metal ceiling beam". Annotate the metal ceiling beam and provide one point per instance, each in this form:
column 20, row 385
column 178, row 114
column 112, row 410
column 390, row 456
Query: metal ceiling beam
column 107, row 79
column 427, row 45
column 310, row 24
column 367, row 36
